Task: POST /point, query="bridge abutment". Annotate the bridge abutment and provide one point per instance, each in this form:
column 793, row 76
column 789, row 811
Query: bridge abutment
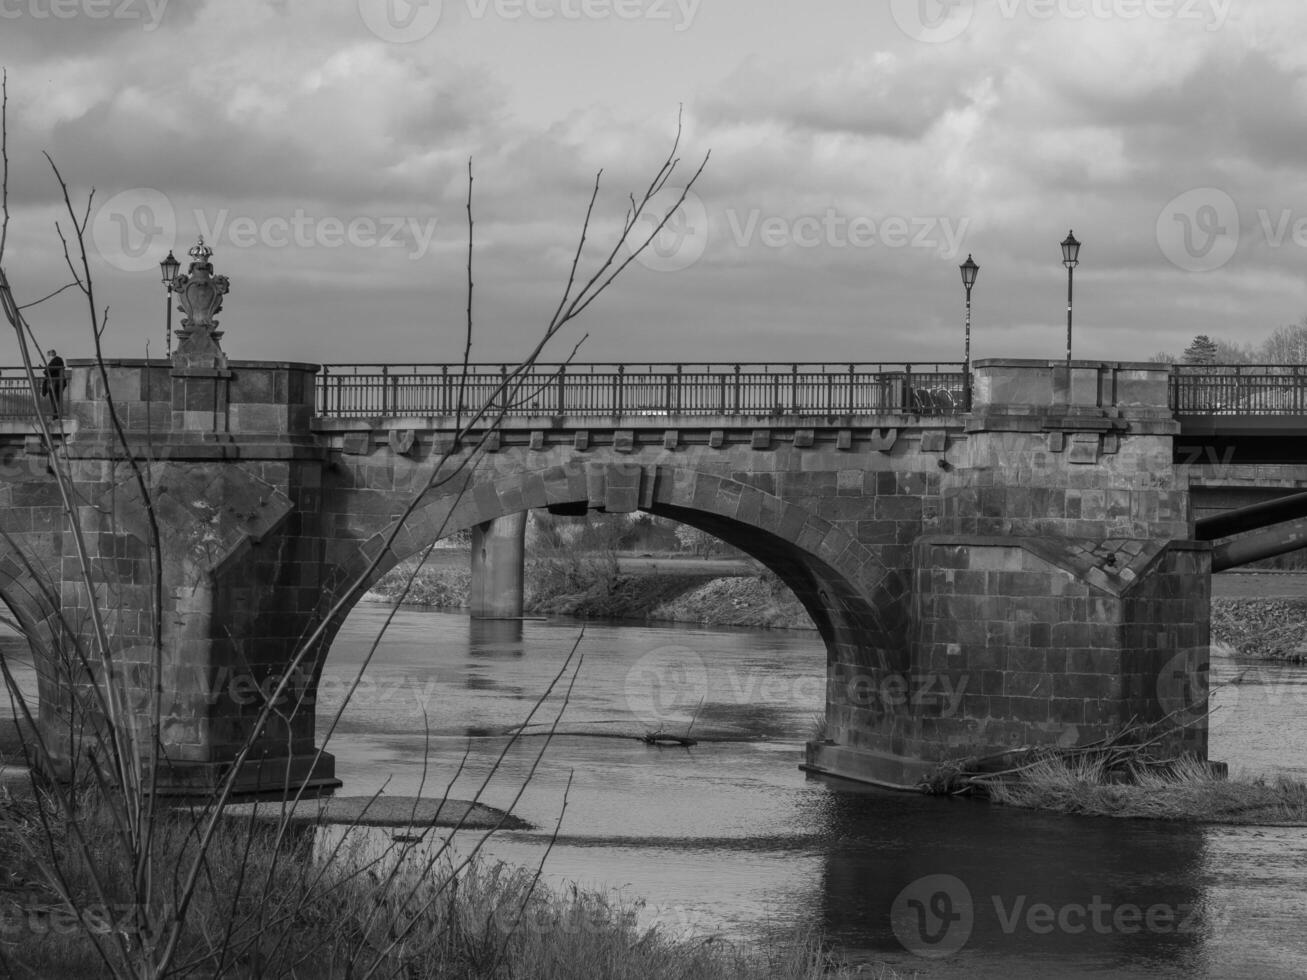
column 1059, row 601
column 225, row 468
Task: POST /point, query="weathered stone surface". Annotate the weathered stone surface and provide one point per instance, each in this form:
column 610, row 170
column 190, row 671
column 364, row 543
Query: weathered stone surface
column 1022, row 593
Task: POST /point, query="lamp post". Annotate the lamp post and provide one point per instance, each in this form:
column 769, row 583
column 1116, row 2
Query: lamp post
column 968, row 270
column 168, row 270
column 1070, row 259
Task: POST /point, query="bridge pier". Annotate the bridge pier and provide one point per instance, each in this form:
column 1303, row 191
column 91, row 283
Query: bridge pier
column 1057, row 600
column 498, row 567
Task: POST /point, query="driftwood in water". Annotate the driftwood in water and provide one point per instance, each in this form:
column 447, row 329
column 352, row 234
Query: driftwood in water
column 662, row 738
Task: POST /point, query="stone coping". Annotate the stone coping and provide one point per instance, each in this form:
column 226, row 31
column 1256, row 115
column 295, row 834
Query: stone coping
column 329, row 423
column 1034, row 362
column 161, row 362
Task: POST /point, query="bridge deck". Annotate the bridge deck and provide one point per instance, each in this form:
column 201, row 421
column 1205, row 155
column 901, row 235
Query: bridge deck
column 1209, row 399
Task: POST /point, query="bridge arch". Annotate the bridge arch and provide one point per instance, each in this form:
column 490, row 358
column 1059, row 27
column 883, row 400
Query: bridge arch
column 853, row 598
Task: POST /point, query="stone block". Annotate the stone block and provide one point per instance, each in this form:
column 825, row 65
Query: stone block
column 934, row 440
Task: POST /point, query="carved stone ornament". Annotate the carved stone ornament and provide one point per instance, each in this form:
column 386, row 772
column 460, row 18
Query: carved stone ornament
column 199, row 297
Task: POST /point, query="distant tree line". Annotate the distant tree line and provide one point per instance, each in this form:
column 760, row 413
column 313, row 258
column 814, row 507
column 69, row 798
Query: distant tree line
column 1287, row 345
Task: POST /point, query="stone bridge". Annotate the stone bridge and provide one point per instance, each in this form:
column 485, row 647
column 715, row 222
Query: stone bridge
column 1033, row 552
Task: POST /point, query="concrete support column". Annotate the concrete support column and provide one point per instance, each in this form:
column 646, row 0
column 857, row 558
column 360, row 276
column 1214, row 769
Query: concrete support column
column 498, row 553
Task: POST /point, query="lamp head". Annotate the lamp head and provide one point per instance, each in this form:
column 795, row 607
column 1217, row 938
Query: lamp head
column 1070, row 251
column 168, row 269
column 969, row 270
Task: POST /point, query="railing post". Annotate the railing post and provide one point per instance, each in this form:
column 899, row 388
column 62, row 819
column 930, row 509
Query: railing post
column 385, row 389
column 503, row 389
column 562, row 385
column 619, row 389
column 722, row 384
column 444, row 389
column 908, row 400
column 322, row 382
column 679, row 381
column 737, row 389
column 794, row 389
column 851, row 399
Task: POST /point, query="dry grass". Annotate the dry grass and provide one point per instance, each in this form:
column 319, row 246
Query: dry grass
column 297, row 911
column 1182, row 790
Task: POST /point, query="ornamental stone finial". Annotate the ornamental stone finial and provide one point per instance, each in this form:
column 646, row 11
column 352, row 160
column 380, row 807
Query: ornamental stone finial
column 199, row 295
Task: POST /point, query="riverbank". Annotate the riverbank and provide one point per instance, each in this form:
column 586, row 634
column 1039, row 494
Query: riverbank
column 1265, row 629
column 279, row 905
column 675, row 589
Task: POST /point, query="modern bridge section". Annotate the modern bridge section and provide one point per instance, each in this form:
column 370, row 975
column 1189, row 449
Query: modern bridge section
column 1015, row 575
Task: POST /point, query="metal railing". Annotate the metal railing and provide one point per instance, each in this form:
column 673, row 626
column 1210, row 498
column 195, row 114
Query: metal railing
column 1239, row 389
column 383, row 390
column 16, row 394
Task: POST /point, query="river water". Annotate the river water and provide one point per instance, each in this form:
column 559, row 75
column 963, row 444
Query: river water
column 730, row 837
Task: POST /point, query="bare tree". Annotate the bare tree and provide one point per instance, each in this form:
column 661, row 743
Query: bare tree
column 162, row 870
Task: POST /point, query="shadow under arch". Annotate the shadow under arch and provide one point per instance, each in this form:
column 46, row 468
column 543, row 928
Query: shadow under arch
column 34, row 605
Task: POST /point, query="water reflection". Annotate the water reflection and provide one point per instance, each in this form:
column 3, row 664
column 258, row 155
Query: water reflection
column 729, row 836
column 494, row 638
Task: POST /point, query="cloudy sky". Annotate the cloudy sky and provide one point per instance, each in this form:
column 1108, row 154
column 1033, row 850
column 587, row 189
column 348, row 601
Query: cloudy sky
column 860, row 149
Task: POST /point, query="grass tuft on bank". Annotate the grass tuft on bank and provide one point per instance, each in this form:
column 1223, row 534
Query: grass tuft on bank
column 1185, row 789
